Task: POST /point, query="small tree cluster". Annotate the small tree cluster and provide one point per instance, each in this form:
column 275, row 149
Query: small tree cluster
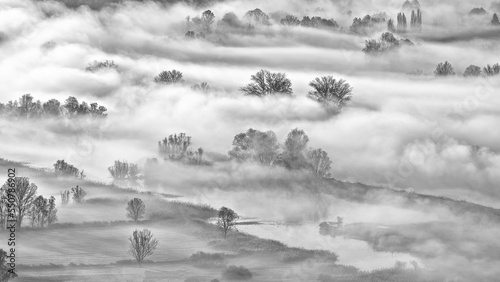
column 65, row 197
column 475, row 71
column 98, row 66
column 169, row 77
column 266, row 83
column 78, row 194
column 256, row 17
column 444, row 69
column 416, row 20
column 202, row 87
column 262, row 147
column 63, row 168
column 204, row 22
column 176, row 148
column 25, row 202
column 408, row 6
column 387, row 42
column 366, row 25
column 255, row 145
column 121, row 170
column 315, row 22
column 401, row 23
column 27, row 108
column 43, row 211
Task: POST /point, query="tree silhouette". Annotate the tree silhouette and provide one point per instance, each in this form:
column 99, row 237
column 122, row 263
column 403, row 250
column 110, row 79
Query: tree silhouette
column 491, row 70
column 142, row 244
column 330, row 92
column 78, row 194
column 266, row 83
column 293, row 153
column 444, row 69
column 207, row 19
column 65, row 197
column 494, row 20
column 168, row 77
column 320, row 162
column 226, row 219
column 472, row 71
column 135, row 209
column 255, row 145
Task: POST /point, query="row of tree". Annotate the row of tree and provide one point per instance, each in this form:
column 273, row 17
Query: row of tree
column 26, row 204
column 402, row 26
column 28, row 108
column 446, row 69
column 293, row 153
column 203, row 24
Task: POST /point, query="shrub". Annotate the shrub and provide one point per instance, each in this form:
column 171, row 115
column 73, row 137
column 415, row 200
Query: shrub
column 168, row 77
column 236, row 273
column 202, row 259
column 97, row 66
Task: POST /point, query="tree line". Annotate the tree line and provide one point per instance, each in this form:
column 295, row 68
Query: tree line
column 253, row 145
column 27, row 108
column 326, row 90
column 200, row 26
column 446, row 69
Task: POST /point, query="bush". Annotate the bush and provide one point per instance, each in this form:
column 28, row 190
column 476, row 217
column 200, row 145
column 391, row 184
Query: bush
column 169, row 77
column 202, row 259
column 97, row 66
column 236, row 273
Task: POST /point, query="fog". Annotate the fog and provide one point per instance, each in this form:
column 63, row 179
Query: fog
column 424, row 133
column 393, row 115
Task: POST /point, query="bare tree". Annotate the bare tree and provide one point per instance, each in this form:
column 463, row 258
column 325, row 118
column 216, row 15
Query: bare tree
column 444, row 69
column 330, row 92
column 472, row 71
column 226, row 219
column 142, row 244
column 65, row 197
column 78, row 194
column 24, row 195
column 266, row 83
column 135, row 209
column 168, row 77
